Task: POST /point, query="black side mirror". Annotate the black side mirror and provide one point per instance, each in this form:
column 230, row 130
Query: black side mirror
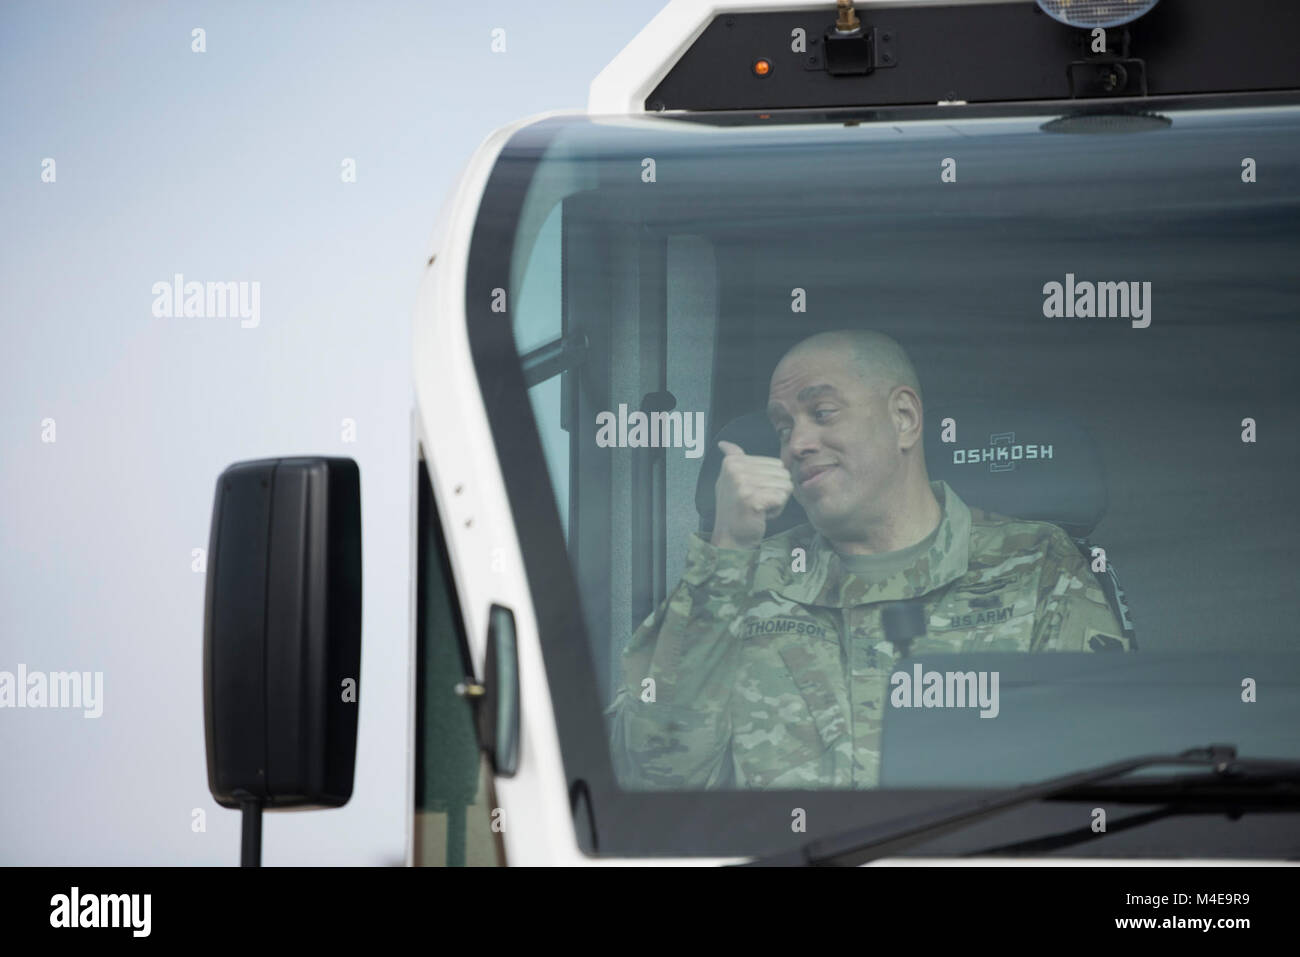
column 282, row 637
column 498, row 713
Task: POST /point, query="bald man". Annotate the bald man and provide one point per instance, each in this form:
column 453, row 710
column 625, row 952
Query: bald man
column 768, row 662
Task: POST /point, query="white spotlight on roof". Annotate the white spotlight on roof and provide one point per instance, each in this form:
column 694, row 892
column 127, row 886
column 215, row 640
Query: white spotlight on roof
column 1096, row 13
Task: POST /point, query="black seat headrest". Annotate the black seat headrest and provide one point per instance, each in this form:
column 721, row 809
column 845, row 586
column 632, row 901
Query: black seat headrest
column 1023, row 463
column 1036, row 465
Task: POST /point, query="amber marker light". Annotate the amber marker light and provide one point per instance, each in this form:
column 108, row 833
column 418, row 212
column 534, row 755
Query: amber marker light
column 762, row 66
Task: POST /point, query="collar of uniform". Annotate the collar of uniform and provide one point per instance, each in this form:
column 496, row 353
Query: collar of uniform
column 817, row 577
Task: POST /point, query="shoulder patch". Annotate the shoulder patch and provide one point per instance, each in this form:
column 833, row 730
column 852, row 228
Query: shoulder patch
column 1100, row 641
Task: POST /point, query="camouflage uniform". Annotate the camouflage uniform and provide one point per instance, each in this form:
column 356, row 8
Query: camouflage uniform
column 767, row 677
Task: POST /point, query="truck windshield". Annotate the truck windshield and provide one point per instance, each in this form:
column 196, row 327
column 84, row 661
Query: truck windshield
column 875, row 457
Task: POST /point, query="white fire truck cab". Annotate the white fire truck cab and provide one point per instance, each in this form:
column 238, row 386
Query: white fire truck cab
column 1079, row 223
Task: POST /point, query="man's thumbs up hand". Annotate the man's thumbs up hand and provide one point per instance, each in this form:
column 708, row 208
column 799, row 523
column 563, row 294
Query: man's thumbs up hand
column 751, row 490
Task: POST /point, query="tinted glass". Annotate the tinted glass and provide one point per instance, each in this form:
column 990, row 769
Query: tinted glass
column 1069, row 429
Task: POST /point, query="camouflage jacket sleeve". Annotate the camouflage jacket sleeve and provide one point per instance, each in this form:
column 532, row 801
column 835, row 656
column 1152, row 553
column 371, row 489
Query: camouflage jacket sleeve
column 1073, row 613
column 671, row 724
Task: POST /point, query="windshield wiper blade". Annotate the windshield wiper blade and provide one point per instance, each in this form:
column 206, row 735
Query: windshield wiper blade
column 1268, row 787
column 1055, row 842
column 1255, row 783
column 861, row 845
